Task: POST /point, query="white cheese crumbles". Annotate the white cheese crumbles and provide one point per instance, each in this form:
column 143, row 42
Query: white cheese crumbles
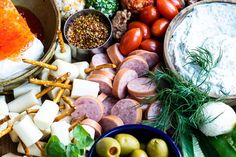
column 69, row 7
column 213, row 27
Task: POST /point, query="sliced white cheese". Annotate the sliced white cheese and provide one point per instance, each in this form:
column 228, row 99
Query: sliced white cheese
column 23, row 89
column 82, row 66
column 65, row 56
column 61, row 130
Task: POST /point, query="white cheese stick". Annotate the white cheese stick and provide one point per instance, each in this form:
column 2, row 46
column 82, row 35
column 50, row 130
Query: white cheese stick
column 23, row 102
column 3, row 106
column 23, row 89
column 34, row 150
column 11, row 155
column 82, row 66
column 61, row 130
column 65, row 56
column 84, row 88
column 46, row 114
column 14, row 137
column 64, row 67
column 27, row 131
column 44, row 74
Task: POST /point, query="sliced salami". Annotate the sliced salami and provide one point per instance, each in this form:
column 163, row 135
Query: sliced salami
column 114, row 54
column 108, row 103
column 97, row 127
column 109, row 122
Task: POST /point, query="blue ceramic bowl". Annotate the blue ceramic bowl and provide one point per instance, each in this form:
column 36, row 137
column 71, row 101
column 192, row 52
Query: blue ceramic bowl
column 144, row 134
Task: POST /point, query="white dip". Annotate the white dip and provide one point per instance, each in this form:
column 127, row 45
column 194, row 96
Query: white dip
column 12, row 68
column 213, row 27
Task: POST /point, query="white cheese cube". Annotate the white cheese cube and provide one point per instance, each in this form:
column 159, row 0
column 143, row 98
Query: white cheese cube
column 10, row 155
column 46, row 114
column 65, row 56
column 23, row 89
column 3, row 106
column 61, row 130
column 44, row 74
column 23, row 102
column 13, row 136
column 82, row 66
column 64, row 67
column 34, row 150
column 27, row 131
column 84, row 88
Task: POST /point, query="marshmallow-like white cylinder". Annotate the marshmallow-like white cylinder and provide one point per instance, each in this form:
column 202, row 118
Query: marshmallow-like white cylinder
column 64, row 67
column 23, row 89
column 84, row 88
column 23, row 102
column 27, row 131
column 44, row 74
column 89, row 130
column 11, row 155
column 82, row 66
column 61, row 130
column 3, row 106
column 34, row 150
column 14, row 136
column 46, row 114
column 65, row 56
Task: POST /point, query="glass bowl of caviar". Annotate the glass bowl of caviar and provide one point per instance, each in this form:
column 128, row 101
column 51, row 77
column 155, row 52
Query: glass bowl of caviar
column 88, row 32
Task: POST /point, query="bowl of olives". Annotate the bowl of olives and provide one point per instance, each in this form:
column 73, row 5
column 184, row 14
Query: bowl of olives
column 134, row 140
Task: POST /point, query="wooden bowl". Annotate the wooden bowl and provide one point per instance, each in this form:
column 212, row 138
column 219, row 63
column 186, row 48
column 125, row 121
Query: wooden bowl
column 47, row 13
column 174, row 24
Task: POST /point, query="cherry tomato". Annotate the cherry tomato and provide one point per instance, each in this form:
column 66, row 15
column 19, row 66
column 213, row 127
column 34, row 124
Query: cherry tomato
column 144, row 28
column 151, row 45
column 149, row 14
column 159, row 27
column 177, row 3
column 130, row 41
column 167, row 9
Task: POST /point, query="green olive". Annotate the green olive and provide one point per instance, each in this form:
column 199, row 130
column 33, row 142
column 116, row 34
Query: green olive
column 108, row 147
column 128, row 143
column 138, row 153
column 157, row 147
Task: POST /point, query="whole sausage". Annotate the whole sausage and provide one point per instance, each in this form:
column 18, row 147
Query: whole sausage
column 153, row 110
column 121, row 80
column 114, row 54
column 151, row 57
column 88, row 106
column 109, row 122
column 136, row 63
column 141, row 87
column 104, row 72
column 108, row 103
column 97, row 127
column 105, row 83
column 128, row 110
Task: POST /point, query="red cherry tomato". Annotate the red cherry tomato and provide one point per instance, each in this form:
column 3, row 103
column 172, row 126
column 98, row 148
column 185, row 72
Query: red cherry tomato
column 151, row 45
column 130, row 41
column 149, row 14
column 144, row 28
column 167, row 9
column 177, row 4
column 159, row 27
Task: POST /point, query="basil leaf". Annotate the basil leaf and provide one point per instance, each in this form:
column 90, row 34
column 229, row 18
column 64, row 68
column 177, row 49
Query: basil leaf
column 82, row 137
column 73, row 150
column 54, row 148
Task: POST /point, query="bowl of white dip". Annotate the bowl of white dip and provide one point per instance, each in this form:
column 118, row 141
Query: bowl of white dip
column 14, row 74
column 210, row 25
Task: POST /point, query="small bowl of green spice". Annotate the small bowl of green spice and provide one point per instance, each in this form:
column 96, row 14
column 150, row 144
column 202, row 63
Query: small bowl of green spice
column 88, row 32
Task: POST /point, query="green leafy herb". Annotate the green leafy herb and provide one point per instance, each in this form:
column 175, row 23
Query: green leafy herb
column 54, row 148
column 82, row 137
column 72, row 150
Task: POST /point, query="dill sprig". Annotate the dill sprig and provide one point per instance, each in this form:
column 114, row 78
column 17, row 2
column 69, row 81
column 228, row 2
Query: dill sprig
column 181, row 103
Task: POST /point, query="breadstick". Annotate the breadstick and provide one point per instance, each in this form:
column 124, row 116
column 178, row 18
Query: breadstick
column 26, row 149
column 40, row 147
column 6, row 131
column 88, row 70
column 77, row 121
column 61, row 41
column 60, row 92
column 64, row 114
column 40, row 64
column 5, row 119
column 68, row 101
column 50, row 83
column 29, row 111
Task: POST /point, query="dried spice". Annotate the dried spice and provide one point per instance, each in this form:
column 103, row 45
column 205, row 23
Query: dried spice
column 88, row 31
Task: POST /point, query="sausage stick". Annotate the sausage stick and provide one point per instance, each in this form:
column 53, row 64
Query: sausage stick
column 50, row 83
column 68, row 101
column 88, row 70
column 40, row 64
column 5, row 119
column 61, row 92
column 26, row 149
column 46, row 90
column 77, row 121
column 6, row 131
column 61, row 41
column 64, row 114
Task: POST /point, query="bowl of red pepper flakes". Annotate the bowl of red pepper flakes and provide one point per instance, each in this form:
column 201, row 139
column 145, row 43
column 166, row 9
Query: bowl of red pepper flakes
column 88, row 32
